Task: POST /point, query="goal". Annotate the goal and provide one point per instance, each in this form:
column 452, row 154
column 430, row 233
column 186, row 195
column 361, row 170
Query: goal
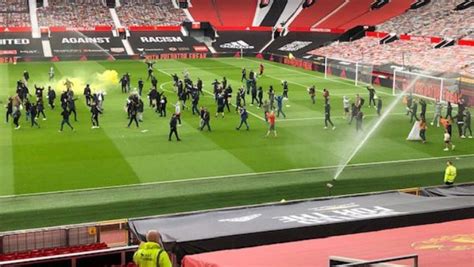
column 423, row 85
column 358, row 72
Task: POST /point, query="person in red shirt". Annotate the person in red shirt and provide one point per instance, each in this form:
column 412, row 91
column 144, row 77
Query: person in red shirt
column 262, row 68
column 271, row 123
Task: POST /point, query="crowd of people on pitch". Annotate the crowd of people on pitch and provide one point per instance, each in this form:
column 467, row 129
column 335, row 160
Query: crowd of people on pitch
column 189, row 94
column 462, row 118
column 34, row 105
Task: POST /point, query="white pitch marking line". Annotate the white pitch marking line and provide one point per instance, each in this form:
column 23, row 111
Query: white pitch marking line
column 239, row 175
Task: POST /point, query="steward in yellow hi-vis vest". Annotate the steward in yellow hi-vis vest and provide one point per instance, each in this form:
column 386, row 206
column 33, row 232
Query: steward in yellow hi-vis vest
column 450, row 173
column 150, row 254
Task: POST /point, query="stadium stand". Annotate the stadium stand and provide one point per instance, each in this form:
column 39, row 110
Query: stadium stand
column 14, row 13
column 236, row 12
column 148, row 12
column 204, row 10
column 80, row 14
column 311, row 15
column 343, row 17
column 377, row 16
column 222, row 12
column 438, row 18
column 418, row 54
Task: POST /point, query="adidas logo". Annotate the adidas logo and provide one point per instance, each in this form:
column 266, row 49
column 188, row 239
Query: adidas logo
column 237, row 45
column 242, row 219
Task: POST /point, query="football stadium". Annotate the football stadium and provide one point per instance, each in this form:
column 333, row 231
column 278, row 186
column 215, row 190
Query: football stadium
column 233, row 133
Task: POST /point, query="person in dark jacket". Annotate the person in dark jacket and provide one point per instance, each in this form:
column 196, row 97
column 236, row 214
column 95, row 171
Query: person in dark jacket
column 449, row 111
column 40, row 109
column 327, row 116
column 33, row 112
column 133, row 112
column 243, row 118
column 51, row 97
column 205, row 119
column 65, row 114
column 95, row 111
column 174, row 128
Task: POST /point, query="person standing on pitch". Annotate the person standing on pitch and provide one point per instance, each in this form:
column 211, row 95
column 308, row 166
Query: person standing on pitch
column 271, row 97
column 177, row 112
column 260, row 96
column 270, row 116
column 149, row 65
column 254, row 94
column 162, row 104
column 244, row 75
column 447, row 141
column 88, row 94
column 262, row 68
column 51, row 97
column 449, row 111
column 423, row 128
column 51, row 73
column 379, row 106
column 279, row 100
column 95, row 111
column 205, row 119
column 371, row 90
column 33, row 113
column 359, row 119
column 40, row 108
column 467, row 124
column 65, row 120
column 312, row 94
column 71, row 104
column 423, row 108
column 150, row 253
column 450, row 173
column 140, row 86
column 16, row 118
column 414, row 111
column 195, row 103
column 327, row 116
column 243, row 118
column 346, row 105
column 173, row 127
column 266, row 109
column 437, row 113
column 132, row 113
column 285, row 89
column 326, row 96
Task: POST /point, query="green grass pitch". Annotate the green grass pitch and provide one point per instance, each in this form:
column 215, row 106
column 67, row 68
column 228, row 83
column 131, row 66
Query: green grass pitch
column 207, row 169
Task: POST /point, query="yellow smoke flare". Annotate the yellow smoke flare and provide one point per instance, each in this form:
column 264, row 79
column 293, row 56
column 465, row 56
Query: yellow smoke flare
column 109, row 79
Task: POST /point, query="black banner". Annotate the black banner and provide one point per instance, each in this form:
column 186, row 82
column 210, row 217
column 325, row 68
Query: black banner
column 157, row 42
column 269, row 224
column 299, row 43
column 19, row 44
column 73, row 44
column 235, row 41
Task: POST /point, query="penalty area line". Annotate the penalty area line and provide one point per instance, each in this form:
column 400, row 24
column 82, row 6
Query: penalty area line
column 182, row 181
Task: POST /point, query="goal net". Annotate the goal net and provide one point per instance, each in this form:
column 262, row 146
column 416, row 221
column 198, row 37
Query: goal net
column 358, row 72
column 422, row 85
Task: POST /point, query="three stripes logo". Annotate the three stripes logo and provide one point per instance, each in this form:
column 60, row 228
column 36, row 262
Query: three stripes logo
column 237, row 45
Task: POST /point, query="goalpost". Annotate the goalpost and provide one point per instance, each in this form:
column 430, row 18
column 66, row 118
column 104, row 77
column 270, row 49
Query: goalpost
column 422, row 85
column 360, row 73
